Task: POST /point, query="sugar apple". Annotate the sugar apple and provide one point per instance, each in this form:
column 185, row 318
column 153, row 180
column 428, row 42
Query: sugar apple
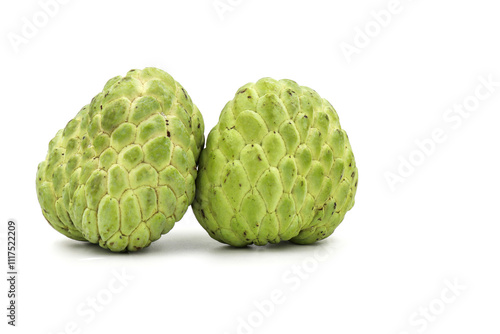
column 123, row 171
column 277, row 166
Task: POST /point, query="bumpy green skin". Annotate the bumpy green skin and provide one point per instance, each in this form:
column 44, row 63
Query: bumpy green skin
column 123, row 171
column 277, row 167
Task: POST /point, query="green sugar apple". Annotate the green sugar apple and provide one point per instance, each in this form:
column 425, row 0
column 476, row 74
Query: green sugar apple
column 276, row 167
column 123, row 171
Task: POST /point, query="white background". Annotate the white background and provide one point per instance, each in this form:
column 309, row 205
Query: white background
column 392, row 259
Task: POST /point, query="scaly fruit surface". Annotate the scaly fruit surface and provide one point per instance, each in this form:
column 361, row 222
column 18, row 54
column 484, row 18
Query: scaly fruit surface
column 123, row 171
column 277, row 166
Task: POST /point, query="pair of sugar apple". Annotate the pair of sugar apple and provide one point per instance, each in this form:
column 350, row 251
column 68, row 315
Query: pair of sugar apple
column 276, row 167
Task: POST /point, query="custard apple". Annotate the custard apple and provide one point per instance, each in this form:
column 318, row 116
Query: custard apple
column 123, row 171
column 277, row 166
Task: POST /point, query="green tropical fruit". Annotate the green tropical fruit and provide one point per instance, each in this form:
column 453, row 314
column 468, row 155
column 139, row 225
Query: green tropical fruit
column 277, row 166
column 123, row 171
